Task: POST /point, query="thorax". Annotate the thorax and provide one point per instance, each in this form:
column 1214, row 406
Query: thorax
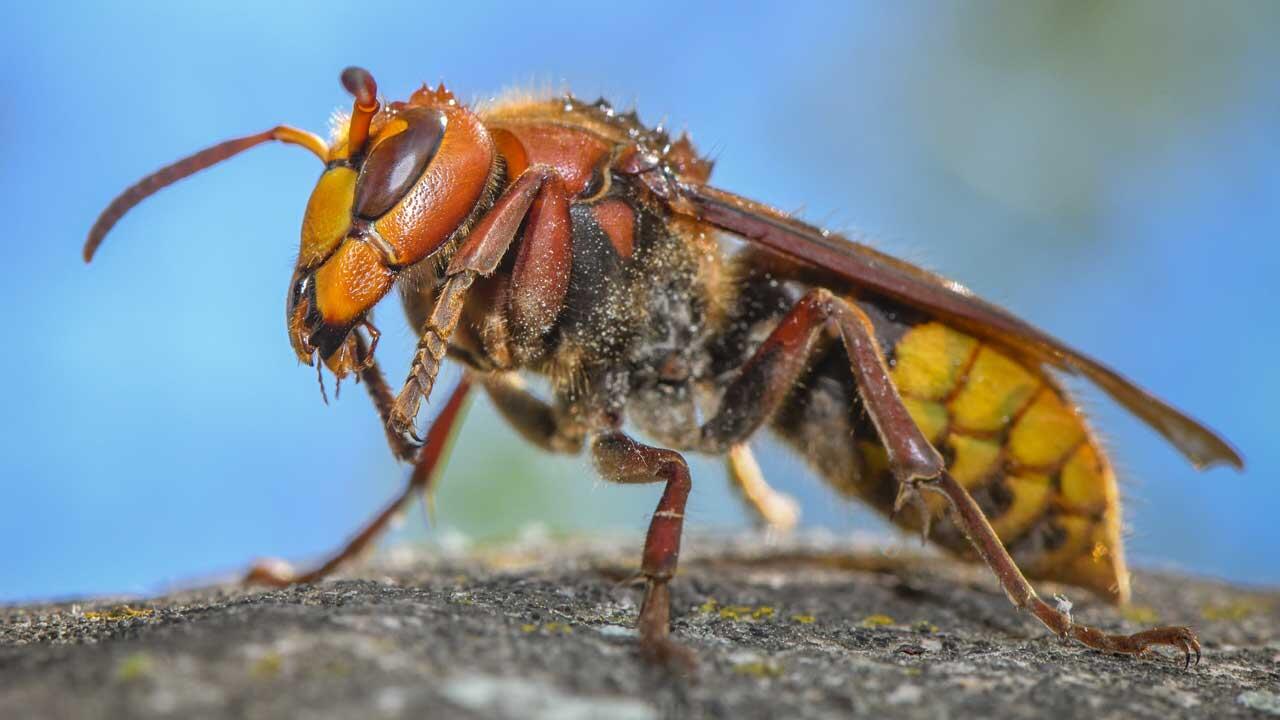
column 646, row 295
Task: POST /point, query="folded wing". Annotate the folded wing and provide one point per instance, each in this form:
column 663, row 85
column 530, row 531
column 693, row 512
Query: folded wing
column 880, row 274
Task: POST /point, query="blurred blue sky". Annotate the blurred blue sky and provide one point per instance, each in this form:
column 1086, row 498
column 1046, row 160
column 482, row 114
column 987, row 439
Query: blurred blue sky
column 1110, row 171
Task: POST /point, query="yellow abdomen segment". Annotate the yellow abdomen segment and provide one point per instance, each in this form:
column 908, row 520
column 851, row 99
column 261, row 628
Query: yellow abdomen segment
column 1016, row 442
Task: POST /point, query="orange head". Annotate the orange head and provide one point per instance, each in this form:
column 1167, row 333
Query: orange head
column 400, row 182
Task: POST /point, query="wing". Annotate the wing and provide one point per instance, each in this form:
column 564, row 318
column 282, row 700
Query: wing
column 881, row 274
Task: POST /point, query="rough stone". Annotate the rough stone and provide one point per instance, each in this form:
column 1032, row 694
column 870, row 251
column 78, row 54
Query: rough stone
column 802, row 629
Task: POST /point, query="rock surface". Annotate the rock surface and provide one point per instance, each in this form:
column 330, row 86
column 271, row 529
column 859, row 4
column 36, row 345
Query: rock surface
column 797, row 630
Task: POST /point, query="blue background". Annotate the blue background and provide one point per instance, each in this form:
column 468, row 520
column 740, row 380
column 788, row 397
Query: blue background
column 1110, row 171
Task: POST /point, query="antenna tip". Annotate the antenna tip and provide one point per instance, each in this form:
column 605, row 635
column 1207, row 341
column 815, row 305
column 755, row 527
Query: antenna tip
column 91, row 243
column 359, row 83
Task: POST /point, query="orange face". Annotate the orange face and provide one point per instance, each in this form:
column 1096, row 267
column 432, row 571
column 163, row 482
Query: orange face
column 397, row 185
column 380, row 208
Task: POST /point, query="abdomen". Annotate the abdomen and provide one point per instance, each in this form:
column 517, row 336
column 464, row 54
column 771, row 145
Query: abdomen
column 1009, row 434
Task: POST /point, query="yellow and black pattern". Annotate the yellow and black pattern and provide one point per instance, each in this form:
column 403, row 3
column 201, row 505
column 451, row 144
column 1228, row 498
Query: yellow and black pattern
column 1009, row 435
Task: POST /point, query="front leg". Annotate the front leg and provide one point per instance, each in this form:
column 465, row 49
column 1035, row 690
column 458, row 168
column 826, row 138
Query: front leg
column 433, row 344
column 541, row 268
column 380, row 393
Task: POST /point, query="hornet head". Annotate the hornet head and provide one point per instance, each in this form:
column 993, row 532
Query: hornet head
column 400, row 181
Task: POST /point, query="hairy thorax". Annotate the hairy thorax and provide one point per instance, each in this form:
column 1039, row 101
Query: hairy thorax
column 634, row 341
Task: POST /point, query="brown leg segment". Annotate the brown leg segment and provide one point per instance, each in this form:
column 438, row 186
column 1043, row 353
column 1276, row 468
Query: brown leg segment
column 540, row 278
column 532, row 417
column 623, row 460
column 480, row 254
column 432, row 347
column 768, row 376
column 971, row 519
column 430, row 455
column 376, row 384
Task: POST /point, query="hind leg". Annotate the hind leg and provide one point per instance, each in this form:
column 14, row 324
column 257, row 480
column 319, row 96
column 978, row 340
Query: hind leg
column 774, row 510
column 769, row 375
column 983, row 537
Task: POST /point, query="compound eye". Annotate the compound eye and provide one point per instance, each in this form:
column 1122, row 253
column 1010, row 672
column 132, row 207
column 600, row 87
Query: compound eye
column 395, row 164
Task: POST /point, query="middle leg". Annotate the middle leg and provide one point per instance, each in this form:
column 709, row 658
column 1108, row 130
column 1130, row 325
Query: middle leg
column 434, row 448
column 749, row 401
column 623, row 460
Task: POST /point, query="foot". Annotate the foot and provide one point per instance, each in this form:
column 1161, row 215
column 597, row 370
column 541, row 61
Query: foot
column 654, row 626
column 404, row 413
column 272, row 572
column 1179, row 637
column 909, row 493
